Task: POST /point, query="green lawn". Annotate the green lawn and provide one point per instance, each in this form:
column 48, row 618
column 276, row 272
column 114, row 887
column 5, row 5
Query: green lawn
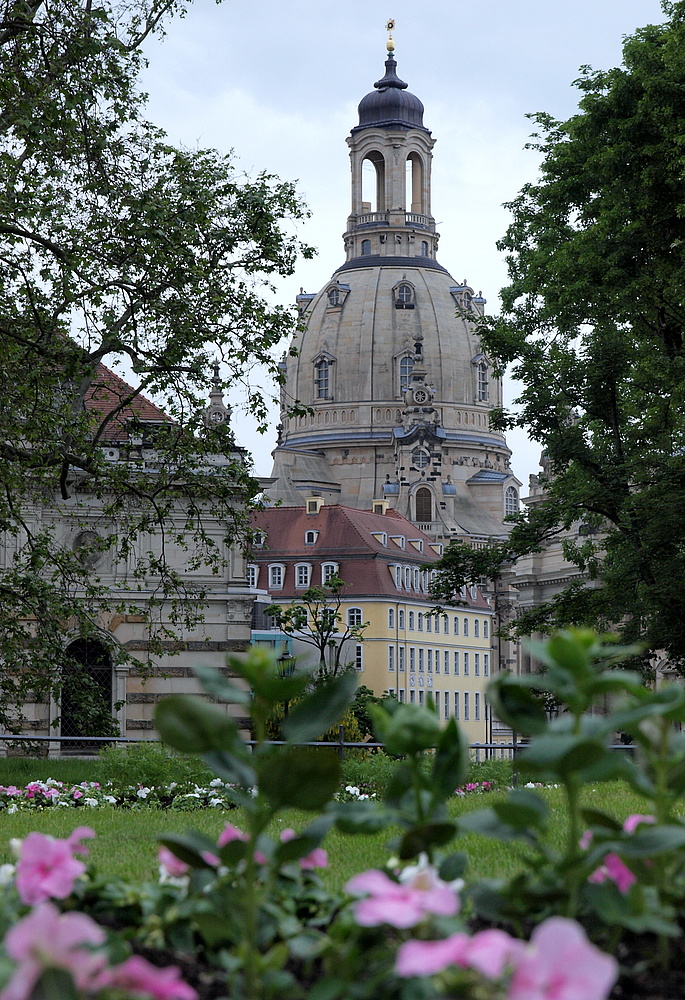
column 125, row 843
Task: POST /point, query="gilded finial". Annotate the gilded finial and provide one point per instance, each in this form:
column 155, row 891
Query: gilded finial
column 390, row 27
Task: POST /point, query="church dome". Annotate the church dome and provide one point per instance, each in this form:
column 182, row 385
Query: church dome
column 391, row 103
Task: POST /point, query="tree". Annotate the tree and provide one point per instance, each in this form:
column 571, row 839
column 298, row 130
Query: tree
column 316, row 620
column 593, row 323
column 116, row 248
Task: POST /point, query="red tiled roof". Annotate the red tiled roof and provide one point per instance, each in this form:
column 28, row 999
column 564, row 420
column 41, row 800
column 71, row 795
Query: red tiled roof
column 107, row 392
column 346, row 536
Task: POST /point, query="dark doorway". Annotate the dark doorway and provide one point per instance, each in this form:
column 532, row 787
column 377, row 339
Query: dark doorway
column 86, row 702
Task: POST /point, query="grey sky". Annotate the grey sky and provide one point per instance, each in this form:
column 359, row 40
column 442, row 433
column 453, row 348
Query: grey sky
column 279, row 83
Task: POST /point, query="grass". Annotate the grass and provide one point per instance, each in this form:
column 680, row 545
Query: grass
column 125, row 845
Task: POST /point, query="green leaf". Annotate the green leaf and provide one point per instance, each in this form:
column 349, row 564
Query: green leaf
column 559, row 754
column 522, row 809
column 488, row 823
column 300, row 777
column 360, row 817
column 190, row 847
column 320, row 710
column 451, row 760
column 514, row 704
column 214, row 682
column 453, row 866
column 653, row 840
column 593, row 817
column 306, row 841
column 421, row 839
column 55, row 984
column 191, row 725
column 400, row 783
column 231, row 767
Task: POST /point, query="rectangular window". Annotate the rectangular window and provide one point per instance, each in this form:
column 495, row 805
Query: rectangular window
column 486, row 664
column 476, row 664
column 466, row 664
column 328, row 571
column 401, row 659
column 447, row 704
column 302, row 575
column 437, row 661
column 275, row 576
column 412, row 660
column 398, row 577
column 401, row 694
column 252, row 577
column 430, row 661
column 420, row 621
column 466, row 706
column 456, row 704
column 437, row 703
column 445, row 625
column 429, row 623
column 400, row 619
column 391, row 692
column 420, row 697
column 466, row 626
column 456, row 663
column 476, row 706
column 391, row 658
column 420, row 661
column 412, row 696
column 447, row 661
column 456, row 625
column 359, row 656
column 391, row 617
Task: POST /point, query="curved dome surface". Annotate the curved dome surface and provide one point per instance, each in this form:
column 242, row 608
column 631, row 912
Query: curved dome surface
column 391, row 103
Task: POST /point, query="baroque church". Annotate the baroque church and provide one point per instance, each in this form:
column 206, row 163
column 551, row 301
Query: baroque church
column 388, row 364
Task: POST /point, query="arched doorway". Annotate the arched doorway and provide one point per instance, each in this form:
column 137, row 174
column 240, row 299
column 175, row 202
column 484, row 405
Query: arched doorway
column 86, row 698
column 424, row 504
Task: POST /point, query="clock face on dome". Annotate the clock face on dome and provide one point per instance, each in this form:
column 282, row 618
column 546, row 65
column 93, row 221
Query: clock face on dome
column 420, row 396
column 216, row 416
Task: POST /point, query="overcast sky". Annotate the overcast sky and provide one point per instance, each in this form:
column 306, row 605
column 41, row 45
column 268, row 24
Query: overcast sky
column 279, row 83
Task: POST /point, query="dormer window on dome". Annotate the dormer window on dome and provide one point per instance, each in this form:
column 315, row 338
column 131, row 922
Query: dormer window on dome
column 336, row 295
column 323, row 376
column 403, row 295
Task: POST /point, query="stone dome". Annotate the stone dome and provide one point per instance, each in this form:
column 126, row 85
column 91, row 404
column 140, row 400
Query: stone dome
column 391, row 103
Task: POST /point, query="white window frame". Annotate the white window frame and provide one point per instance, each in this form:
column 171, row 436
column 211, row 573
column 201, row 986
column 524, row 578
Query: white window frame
column 354, row 617
column 391, row 617
column 400, row 659
column 359, row 657
column 310, row 537
column 252, row 572
column 486, row 629
column 400, row 619
column 391, row 659
column 273, row 568
column 328, row 571
column 467, row 667
column 303, row 575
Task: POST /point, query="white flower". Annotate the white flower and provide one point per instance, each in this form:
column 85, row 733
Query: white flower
column 143, row 793
column 11, row 810
column 425, row 876
column 15, row 846
column 110, row 798
column 216, row 783
column 216, row 802
column 6, row 874
column 90, row 802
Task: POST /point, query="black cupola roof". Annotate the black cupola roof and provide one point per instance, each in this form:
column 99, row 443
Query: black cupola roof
column 391, row 104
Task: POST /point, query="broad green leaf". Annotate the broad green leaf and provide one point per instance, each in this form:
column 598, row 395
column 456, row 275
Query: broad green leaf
column 55, row 984
column 319, row 711
column 593, row 817
column 231, row 767
column 398, row 786
column 300, row 777
column 190, row 847
column 214, row 682
column 522, row 809
column 514, row 704
column 191, row 725
column 653, row 840
column 360, row 817
column 421, row 839
column 453, row 866
column 451, row 760
column 306, row 841
column 488, row 823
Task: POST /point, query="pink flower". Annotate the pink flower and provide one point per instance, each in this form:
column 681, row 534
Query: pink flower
column 77, row 794
column 318, row 858
column 561, row 964
column 48, row 939
column 633, row 821
column 614, row 869
column 230, row 833
column 171, row 865
column 401, row 905
column 488, row 952
column 47, row 868
column 137, row 975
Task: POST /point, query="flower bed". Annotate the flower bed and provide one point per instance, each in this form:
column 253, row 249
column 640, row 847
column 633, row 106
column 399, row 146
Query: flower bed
column 247, row 915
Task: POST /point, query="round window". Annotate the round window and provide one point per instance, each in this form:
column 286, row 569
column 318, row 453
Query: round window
column 420, row 458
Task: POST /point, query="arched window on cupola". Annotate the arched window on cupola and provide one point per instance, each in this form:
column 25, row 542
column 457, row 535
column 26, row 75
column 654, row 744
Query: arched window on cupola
column 414, row 184
column 406, row 367
column 323, row 377
column 366, row 248
column 373, row 182
column 511, row 501
column 482, row 375
column 423, row 501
